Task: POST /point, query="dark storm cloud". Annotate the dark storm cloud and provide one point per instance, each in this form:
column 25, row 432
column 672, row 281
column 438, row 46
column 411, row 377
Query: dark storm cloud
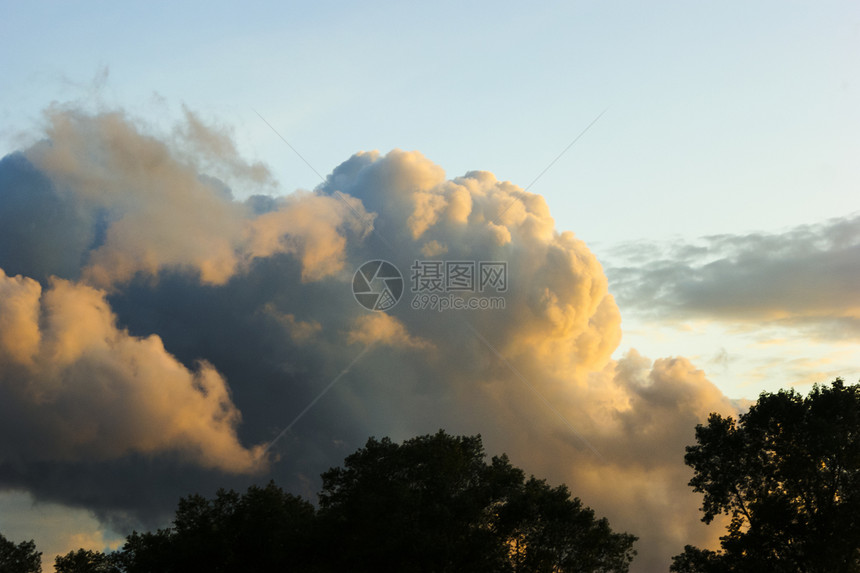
column 41, row 232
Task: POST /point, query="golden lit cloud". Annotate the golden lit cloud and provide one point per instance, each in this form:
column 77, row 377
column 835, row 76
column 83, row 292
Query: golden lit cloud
column 384, row 329
column 78, row 387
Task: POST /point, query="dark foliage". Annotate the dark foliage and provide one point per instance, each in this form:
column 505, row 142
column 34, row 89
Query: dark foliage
column 20, row 558
column 434, row 504
column 788, row 474
column 430, row 504
column 266, row 529
column 85, row 561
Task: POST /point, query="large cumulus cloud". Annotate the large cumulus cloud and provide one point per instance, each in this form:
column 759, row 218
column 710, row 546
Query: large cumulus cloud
column 165, row 332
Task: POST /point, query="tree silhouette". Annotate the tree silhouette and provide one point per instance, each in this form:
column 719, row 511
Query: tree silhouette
column 85, row 561
column 546, row 530
column 419, row 506
column 788, row 474
column 265, row 529
column 430, row 504
column 21, row 558
column 434, row 504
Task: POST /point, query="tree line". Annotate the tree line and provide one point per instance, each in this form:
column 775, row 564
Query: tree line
column 786, row 473
column 432, row 503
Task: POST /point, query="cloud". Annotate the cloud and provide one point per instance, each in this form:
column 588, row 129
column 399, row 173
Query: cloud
column 310, row 226
column 141, row 206
column 806, row 278
column 75, row 387
column 298, row 330
column 214, row 145
column 156, row 210
column 19, row 323
column 383, row 329
column 181, row 328
column 58, row 529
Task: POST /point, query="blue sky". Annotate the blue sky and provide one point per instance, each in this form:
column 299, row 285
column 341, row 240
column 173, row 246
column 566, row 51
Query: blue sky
column 718, row 188
column 722, row 117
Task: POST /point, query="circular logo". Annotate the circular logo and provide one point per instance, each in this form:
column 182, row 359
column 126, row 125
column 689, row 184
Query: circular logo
column 377, row 285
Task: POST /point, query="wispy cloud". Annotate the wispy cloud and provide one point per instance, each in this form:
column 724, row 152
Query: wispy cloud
column 806, row 278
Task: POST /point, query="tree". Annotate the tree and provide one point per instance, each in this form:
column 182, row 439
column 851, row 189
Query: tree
column 788, row 475
column 148, row 552
column 430, row 504
column 86, row 561
column 265, row 529
column 695, row 560
column 419, row 505
column 546, row 530
column 434, row 504
column 21, row 558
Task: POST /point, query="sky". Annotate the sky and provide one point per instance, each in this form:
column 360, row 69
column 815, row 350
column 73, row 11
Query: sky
column 187, row 191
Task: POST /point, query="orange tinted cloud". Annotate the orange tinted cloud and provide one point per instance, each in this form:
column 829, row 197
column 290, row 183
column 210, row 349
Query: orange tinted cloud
column 76, row 387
